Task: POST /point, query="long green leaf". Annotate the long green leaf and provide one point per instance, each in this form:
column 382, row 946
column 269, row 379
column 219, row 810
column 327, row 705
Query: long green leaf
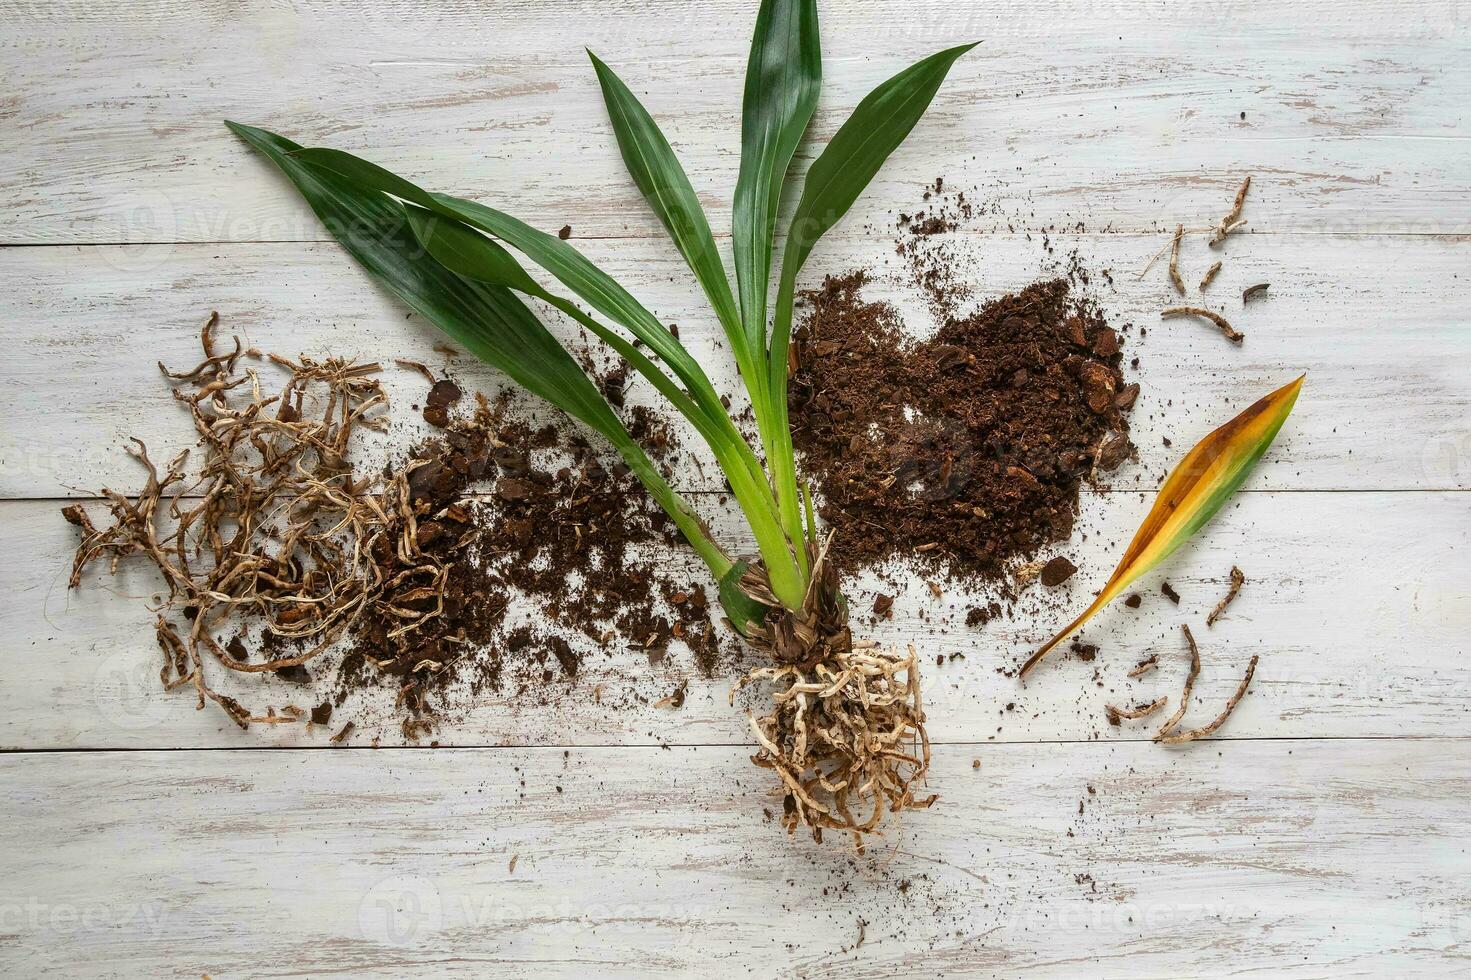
column 488, row 320
column 783, row 79
column 845, row 167
column 661, row 179
column 657, row 172
column 564, row 262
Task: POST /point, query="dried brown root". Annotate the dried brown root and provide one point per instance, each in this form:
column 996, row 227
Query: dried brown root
column 1238, row 578
column 1177, row 738
column 418, row 366
column 846, row 733
column 1145, row 666
column 1166, row 247
column 1116, row 714
column 1189, row 685
column 1232, row 220
column 1230, row 332
column 272, row 526
column 1175, row 260
column 1209, row 277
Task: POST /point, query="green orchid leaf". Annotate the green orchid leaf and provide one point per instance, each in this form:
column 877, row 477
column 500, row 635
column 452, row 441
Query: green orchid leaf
column 561, row 260
column 657, row 172
column 845, row 167
column 834, row 181
column 783, row 79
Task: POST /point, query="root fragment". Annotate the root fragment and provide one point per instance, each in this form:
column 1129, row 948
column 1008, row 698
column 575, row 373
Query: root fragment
column 1167, row 735
column 1237, row 580
column 1232, row 221
column 1145, row 666
column 1175, row 260
column 1177, row 738
column 1189, row 685
column 1230, row 332
column 1209, row 277
column 1116, row 714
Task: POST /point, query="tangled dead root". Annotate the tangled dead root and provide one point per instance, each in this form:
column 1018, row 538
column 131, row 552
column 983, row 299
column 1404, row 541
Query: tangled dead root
column 273, row 524
column 846, row 734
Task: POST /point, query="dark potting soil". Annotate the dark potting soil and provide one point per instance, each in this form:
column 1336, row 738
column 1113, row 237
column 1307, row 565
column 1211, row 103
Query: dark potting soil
column 510, row 528
column 963, row 451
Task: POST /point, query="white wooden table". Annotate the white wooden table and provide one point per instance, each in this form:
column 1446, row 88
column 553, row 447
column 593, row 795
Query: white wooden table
column 1322, row 833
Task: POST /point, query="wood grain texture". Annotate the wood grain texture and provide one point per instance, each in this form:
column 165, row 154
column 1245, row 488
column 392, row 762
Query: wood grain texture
column 1296, row 859
column 1344, row 653
column 1321, row 833
column 1352, row 110
column 1380, row 325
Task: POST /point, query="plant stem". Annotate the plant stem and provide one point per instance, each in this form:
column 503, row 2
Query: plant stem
column 780, row 456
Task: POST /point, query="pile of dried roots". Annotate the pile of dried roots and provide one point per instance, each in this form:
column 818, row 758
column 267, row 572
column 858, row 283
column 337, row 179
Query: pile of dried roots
column 272, row 523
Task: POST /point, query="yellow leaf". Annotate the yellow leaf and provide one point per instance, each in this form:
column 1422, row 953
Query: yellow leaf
column 1191, row 495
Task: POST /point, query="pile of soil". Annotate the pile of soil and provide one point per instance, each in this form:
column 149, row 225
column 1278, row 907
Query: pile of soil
column 964, row 451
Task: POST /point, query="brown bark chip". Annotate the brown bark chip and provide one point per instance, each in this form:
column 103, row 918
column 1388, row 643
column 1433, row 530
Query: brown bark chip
column 1057, row 571
column 964, row 451
column 440, row 400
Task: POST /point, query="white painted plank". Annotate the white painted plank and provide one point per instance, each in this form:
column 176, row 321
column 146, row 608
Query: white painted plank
column 1354, row 112
column 1358, row 605
column 1289, row 859
column 1380, row 325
